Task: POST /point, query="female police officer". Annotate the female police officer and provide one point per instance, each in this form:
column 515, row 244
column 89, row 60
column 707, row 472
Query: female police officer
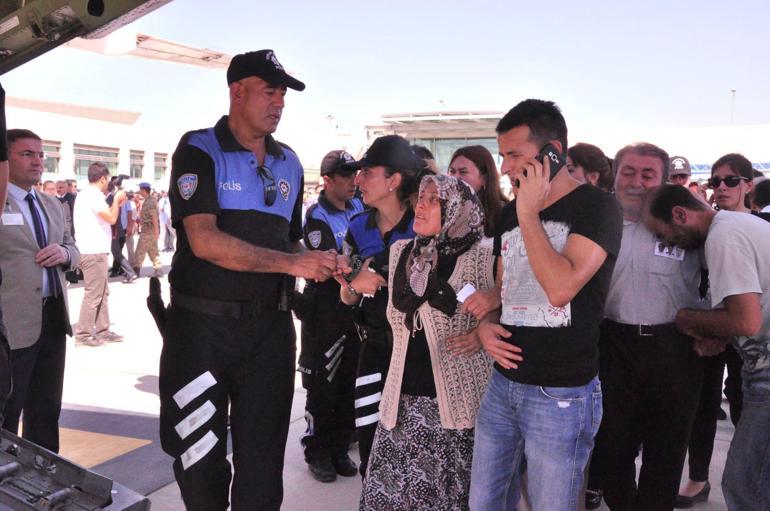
column 389, row 175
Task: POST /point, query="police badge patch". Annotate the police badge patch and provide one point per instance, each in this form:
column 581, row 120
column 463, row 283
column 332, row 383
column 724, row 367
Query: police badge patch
column 187, row 184
column 284, row 188
column 314, row 237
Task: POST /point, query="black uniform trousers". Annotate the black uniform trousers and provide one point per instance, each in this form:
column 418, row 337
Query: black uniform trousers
column 651, row 381
column 329, row 405
column 373, row 365
column 207, row 364
column 704, row 428
column 5, row 366
column 38, row 378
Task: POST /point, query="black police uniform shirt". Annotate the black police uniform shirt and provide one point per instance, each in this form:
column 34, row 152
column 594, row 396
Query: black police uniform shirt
column 212, row 173
column 364, row 240
column 326, row 227
column 559, row 344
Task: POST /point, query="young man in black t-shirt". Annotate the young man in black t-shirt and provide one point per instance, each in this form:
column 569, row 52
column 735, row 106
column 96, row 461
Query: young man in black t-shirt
column 557, row 244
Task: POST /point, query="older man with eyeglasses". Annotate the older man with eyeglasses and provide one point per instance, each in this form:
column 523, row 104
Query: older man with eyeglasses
column 236, row 202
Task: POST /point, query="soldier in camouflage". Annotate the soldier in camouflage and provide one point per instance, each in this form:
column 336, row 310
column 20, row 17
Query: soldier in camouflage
column 150, row 230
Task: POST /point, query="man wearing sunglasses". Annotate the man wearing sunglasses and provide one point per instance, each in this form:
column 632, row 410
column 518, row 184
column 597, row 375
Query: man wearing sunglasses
column 236, row 199
column 736, row 247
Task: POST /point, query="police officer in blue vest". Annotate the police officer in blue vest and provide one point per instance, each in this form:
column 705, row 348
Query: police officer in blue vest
column 329, row 342
column 236, row 198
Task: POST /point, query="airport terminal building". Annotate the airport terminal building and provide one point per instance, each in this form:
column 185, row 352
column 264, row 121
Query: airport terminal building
column 444, row 132
column 74, row 136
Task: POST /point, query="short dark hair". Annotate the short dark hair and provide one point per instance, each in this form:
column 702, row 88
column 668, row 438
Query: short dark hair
column 739, row 164
column 592, row 159
column 668, row 196
column 18, row 134
column 96, row 171
column 642, row 149
column 762, row 194
column 543, row 118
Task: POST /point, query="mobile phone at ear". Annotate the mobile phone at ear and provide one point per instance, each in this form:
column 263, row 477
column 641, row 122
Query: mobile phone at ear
column 550, row 152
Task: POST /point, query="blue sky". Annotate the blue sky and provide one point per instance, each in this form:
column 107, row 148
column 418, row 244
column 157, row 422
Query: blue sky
column 606, row 63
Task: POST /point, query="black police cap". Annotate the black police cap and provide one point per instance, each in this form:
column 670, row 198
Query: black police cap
column 263, row 64
column 391, row 151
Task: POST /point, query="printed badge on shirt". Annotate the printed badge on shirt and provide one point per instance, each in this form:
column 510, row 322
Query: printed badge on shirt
column 669, row 251
column 13, row 219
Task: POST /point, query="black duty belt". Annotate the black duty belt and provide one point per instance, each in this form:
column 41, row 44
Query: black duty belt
column 643, row 330
column 375, row 335
column 234, row 310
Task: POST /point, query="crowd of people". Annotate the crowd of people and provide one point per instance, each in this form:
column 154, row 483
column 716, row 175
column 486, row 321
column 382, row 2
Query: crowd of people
column 481, row 349
column 49, row 233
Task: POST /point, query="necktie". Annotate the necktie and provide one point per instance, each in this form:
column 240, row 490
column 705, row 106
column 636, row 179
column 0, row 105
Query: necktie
column 53, row 278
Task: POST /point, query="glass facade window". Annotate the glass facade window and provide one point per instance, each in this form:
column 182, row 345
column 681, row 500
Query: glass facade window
column 52, row 152
column 136, row 163
column 160, row 166
column 85, row 155
column 443, row 148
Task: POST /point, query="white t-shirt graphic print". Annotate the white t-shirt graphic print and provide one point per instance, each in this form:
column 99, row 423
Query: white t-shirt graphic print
column 524, row 300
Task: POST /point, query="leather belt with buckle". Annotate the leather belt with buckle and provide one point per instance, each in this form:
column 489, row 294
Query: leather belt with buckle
column 643, row 330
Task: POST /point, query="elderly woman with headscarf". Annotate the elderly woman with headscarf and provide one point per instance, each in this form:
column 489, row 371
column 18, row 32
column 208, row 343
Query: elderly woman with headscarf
column 421, row 458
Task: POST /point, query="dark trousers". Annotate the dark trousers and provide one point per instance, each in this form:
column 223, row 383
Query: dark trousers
column 373, row 364
column 38, row 377
column 329, row 406
column 210, row 362
column 651, row 386
column 118, row 261
column 5, row 369
column 704, row 427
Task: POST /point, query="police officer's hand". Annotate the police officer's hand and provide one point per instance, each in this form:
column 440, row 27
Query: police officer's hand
column 481, row 303
column 504, row 353
column 343, row 266
column 314, row 265
column 467, row 344
column 368, row 281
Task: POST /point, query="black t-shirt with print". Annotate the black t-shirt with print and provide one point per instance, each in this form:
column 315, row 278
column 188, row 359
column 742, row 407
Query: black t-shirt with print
column 559, row 344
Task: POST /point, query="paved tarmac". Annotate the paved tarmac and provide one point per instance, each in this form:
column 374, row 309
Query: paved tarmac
column 123, row 376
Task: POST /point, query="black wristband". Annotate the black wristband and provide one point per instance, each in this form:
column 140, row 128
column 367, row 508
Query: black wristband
column 3, row 139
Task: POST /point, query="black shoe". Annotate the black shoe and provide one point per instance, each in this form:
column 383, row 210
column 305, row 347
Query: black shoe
column 345, row 466
column 593, row 499
column 721, row 414
column 683, row 502
column 322, row 470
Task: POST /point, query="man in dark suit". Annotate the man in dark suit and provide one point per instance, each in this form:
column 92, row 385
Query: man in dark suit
column 5, row 351
column 36, row 246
